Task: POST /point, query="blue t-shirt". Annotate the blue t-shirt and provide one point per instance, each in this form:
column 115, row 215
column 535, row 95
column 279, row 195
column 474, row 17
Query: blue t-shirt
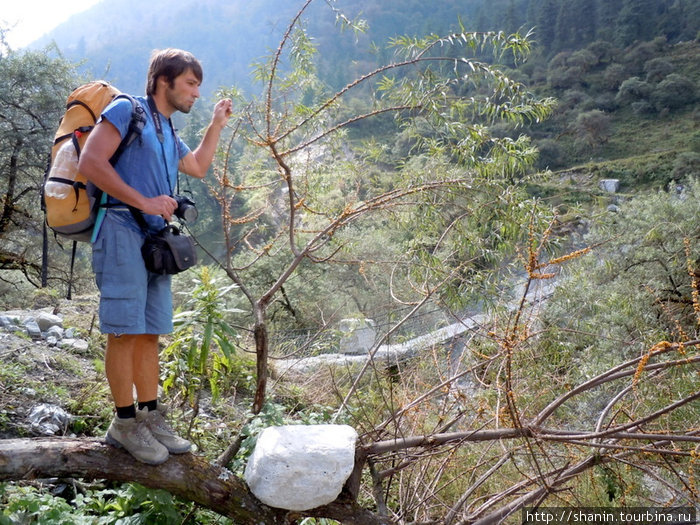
column 145, row 165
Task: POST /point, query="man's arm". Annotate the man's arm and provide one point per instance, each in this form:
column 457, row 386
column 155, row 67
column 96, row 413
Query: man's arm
column 101, row 144
column 197, row 162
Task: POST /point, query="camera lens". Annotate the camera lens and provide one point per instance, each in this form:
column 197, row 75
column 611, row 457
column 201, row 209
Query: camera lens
column 189, row 213
column 186, row 209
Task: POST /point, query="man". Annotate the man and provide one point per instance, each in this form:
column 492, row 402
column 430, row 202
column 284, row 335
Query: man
column 136, row 305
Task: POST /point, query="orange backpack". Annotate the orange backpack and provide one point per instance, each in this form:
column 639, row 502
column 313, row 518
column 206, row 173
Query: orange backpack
column 69, row 201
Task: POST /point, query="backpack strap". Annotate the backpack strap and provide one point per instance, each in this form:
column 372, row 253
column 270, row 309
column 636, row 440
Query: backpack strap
column 136, row 125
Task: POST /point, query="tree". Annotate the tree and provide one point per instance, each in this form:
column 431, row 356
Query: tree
column 546, row 18
column 576, row 24
column 636, row 21
column 607, row 13
column 33, row 90
column 302, row 226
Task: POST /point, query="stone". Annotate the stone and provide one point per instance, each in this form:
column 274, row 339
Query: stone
column 55, row 332
column 301, row 467
column 609, row 185
column 358, row 336
column 32, row 329
column 79, row 345
column 46, row 320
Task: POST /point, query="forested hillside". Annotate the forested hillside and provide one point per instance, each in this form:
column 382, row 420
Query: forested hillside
column 474, row 243
column 113, row 38
column 607, row 62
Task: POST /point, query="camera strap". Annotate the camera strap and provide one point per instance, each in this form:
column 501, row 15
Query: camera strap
column 140, row 220
column 161, row 138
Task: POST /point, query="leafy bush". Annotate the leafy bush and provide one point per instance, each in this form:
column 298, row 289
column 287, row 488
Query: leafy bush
column 593, row 127
column 632, row 90
column 130, row 503
column 551, row 155
column 686, row 164
column 674, row 92
column 657, row 69
column 602, row 50
column 614, row 75
column 583, row 59
column 203, row 347
column 642, row 107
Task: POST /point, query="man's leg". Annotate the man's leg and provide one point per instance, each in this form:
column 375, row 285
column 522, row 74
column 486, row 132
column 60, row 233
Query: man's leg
column 132, row 360
column 146, row 369
column 143, row 370
column 124, row 363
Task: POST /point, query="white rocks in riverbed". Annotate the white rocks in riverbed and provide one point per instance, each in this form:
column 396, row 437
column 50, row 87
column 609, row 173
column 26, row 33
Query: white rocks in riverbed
column 300, row 467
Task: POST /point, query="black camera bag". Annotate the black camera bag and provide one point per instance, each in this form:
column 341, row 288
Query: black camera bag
column 169, row 251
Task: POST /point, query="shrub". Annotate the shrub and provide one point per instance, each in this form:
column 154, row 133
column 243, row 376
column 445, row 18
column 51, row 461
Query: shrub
column 593, row 127
column 559, row 60
column 573, row 98
column 606, row 102
column 695, row 142
column 565, row 77
column 642, row 107
column 614, row 75
column 632, row 90
column 602, row 50
column 657, row 69
column 686, row 164
column 674, row 92
column 582, row 59
column 551, row 155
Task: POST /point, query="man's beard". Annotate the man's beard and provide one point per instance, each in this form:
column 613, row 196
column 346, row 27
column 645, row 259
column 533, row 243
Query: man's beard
column 179, row 106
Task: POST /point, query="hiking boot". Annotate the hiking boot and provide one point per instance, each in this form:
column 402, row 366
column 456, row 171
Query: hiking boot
column 134, row 436
column 161, row 430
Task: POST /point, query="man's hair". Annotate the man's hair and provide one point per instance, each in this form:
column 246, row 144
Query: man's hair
column 171, row 63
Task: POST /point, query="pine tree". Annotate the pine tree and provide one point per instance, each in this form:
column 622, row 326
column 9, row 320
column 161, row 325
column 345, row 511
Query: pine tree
column 607, row 12
column 576, row 24
column 546, row 23
column 636, row 21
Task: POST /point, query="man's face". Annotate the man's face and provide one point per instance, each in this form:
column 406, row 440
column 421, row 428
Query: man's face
column 184, row 92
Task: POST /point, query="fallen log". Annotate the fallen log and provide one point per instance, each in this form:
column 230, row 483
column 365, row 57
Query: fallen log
column 187, row 476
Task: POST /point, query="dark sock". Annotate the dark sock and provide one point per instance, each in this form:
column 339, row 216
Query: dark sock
column 151, row 405
column 126, row 412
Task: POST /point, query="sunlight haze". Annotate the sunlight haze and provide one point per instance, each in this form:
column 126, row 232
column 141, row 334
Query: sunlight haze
column 29, row 20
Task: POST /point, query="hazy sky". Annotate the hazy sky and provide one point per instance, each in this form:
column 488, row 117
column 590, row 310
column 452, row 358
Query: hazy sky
column 31, row 19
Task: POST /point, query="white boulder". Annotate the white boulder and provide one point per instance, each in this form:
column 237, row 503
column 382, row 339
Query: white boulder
column 46, row 320
column 609, row 185
column 300, row 467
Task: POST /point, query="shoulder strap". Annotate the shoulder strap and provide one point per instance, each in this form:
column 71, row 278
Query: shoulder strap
column 136, row 124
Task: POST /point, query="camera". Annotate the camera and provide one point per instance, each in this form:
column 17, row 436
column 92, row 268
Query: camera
column 186, row 209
